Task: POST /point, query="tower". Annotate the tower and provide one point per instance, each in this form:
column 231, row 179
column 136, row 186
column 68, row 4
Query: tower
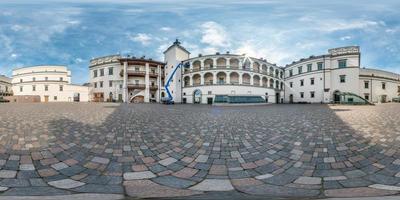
column 172, row 57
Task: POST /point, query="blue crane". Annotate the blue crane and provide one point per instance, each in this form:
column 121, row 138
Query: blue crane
column 170, row 98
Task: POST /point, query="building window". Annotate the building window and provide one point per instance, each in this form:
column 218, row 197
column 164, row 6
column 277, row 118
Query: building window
column 101, row 84
column 366, row 96
column 94, row 73
column 110, row 83
column 55, row 98
column 120, row 86
column 383, row 86
column 137, row 69
column 312, row 81
column 101, row 72
column 46, row 78
column 301, row 94
column 21, row 88
column 61, row 88
column 398, row 89
column 209, row 92
column 33, row 87
column 366, row 84
column 46, row 88
column 137, row 82
column 33, row 79
column 301, row 82
column 309, row 67
column 290, row 72
column 95, row 85
column 20, row 80
column 342, row 63
column 61, row 78
column 152, row 83
column 312, row 94
column 320, row 66
column 110, row 71
column 342, row 78
column 291, row 84
column 300, row 69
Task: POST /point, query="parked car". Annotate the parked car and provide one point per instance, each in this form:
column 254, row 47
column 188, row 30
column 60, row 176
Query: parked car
column 396, row 99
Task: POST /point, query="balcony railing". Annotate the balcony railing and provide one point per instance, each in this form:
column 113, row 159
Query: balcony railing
column 153, row 87
column 153, row 74
column 135, row 73
column 136, row 86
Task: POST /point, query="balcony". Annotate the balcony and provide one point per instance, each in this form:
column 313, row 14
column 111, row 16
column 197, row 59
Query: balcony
column 153, row 87
column 135, row 73
column 153, row 74
column 136, row 86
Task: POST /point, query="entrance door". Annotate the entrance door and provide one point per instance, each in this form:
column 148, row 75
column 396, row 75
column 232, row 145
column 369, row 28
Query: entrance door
column 291, row 98
column 277, row 96
column 184, row 100
column 336, row 97
column 46, row 99
column 383, row 99
column 209, row 100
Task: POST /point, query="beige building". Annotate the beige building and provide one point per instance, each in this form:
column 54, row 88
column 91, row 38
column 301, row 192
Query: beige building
column 5, row 86
column 126, row 79
column 50, row 83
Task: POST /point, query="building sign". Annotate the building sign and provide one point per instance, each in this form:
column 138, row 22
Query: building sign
column 102, row 60
column 344, row 50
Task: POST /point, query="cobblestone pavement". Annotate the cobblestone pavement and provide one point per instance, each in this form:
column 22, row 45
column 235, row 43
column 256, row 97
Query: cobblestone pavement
column 153, row 150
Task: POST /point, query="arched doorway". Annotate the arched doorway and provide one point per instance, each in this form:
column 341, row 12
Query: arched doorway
column 197, row 96
column 336, row 96
column 291, row 98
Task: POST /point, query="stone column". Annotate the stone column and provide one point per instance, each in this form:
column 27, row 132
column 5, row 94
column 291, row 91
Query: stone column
column 158, row 93
column 202, row 64
column 228, row 79
column 214, row 78
column 214, row 63
column 147, row 84
column 228, row 63
column 240, row 78
column 251, row 80
column 201, row 79
column 125, row 84
column 190, row 81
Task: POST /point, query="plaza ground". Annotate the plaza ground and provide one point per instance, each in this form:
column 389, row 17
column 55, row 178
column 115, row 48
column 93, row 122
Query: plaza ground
column 154, row 150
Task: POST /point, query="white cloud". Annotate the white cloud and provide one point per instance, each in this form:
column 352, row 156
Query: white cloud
column 332, row 25
column 214, row 35
column 271, row 53
column 166, row 29
column 143, row 38
column 347, row 37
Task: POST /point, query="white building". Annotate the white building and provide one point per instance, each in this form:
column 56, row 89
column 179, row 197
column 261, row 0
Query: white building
column 126, row 79
column 5, row 86
column 217, row 78
column 324, row 78
column 379, row 86
column 51, row 83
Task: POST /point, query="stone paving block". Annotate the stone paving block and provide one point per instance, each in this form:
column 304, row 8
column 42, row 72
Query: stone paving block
column 213, row 185
column 139, row 175
column 149, row 189
column 7, row 174
column 35, row 191
column 66, row 183
column 308, row 180
column 167, row 161
column 26, row 167
column 101, row 160
column 172, row 181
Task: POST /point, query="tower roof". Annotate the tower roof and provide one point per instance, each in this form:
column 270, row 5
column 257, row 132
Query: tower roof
column 177, row 44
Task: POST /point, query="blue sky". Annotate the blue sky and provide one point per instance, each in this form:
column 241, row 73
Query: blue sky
column 72, row 32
